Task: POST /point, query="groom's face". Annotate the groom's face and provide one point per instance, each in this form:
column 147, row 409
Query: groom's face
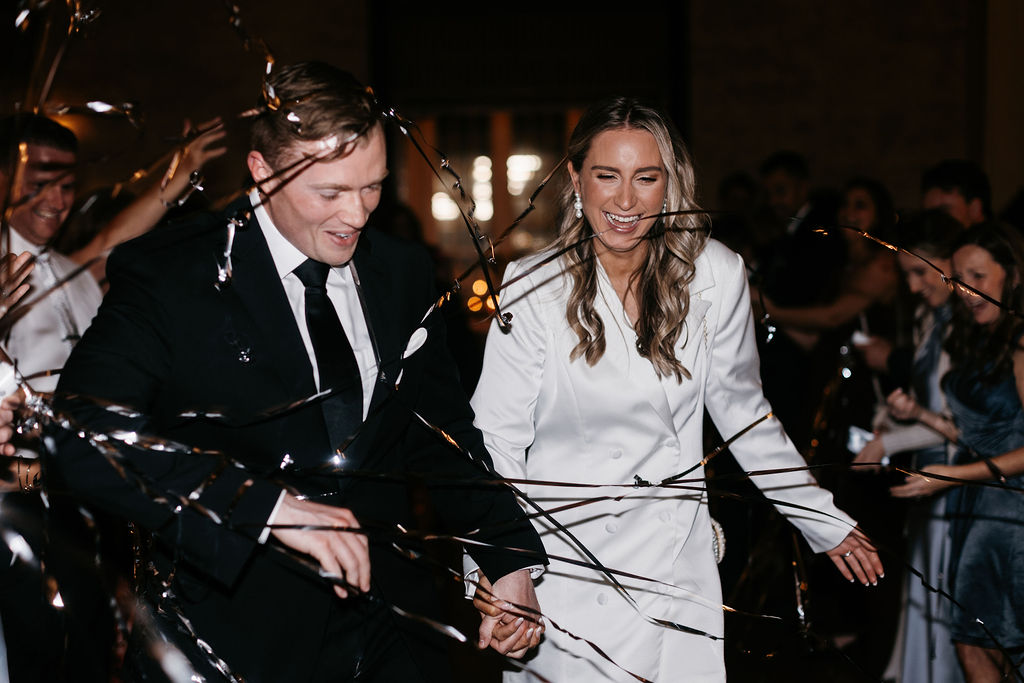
column 323, row 209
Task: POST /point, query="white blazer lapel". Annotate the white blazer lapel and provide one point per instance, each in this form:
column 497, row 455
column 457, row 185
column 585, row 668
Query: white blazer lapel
column 696, row 335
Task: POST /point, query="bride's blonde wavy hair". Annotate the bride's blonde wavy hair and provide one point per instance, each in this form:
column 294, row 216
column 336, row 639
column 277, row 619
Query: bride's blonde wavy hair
column 674, row 243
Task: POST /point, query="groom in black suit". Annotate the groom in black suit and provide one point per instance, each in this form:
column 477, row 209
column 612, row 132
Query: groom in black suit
column 309, row 301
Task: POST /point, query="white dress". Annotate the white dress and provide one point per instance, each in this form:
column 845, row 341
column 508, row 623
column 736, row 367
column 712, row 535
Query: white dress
column 545, row 417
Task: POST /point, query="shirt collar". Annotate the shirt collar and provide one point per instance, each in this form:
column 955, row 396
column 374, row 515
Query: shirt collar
column 286, row 256
column 20, row 244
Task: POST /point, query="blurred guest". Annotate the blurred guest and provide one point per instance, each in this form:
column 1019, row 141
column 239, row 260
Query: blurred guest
column 867, row 285
column 984, row 390
column 38, row 160
column 737, row 201
column 927, row 654
column 869, row 276
column 797, row 266
column 41, row 337
column 960, row 188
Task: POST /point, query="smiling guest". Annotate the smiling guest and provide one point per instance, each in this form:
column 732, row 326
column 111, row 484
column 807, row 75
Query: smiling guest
column 615, row 349
column 985, row 393
column 926, row 649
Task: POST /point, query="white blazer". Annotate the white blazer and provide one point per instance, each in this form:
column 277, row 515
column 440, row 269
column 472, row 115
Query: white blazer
column 547, row 418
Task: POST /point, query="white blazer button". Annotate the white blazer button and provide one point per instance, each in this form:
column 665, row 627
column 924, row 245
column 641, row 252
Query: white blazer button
column 616, row 454
column 602, row 599
column 670, row 443
column 611, row 527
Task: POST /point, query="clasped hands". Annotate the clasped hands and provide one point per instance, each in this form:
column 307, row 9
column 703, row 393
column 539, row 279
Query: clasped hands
column 510, row 622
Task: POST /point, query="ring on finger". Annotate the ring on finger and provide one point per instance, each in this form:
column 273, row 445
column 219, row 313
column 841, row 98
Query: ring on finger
column 848, row 553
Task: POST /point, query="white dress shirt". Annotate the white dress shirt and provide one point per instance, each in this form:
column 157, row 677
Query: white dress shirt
column 42, row 340
column 342, row 290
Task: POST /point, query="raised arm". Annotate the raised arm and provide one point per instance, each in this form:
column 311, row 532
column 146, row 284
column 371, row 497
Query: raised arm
column 147, row 210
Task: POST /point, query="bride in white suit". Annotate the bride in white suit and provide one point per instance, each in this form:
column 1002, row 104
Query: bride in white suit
column 614, row 351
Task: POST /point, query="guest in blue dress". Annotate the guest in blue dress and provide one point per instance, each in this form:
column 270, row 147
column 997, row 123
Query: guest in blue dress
column 984, row 390
column 925, row 653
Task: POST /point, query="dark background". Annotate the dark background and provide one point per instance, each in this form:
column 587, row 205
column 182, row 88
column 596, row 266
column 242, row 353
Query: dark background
column 869, row 87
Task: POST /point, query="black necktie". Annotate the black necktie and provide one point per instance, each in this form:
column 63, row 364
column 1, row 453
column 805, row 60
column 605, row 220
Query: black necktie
column 343, row 410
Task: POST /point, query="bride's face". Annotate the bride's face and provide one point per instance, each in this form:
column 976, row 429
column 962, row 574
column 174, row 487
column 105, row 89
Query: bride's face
column 622, row 184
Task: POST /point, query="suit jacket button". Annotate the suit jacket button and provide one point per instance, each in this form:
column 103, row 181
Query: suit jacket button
column 616, row 454
column 611, row 527
column 602, row 599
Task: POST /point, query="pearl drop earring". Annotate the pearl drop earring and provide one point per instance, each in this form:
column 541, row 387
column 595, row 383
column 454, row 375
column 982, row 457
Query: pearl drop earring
column 578, row 205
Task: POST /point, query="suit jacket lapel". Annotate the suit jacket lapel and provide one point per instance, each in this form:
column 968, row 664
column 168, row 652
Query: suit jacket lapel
column 375, row 285
column 256, row 285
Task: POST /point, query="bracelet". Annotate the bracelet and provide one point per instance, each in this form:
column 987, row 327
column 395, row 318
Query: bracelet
column 994, row 469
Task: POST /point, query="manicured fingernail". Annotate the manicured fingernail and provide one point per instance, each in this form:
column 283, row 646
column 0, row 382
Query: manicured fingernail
column 881, row 576
column 529, row 633
column 519, row 621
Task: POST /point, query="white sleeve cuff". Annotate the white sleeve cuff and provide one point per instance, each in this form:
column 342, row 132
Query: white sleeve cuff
column 270, row 520
column 8, row 382
column 471, row 574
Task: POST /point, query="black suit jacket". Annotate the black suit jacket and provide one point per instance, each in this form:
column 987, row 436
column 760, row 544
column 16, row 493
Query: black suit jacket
column 167, row 341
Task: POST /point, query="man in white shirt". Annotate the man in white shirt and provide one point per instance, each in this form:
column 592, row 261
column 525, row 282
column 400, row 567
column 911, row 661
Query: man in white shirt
column 38, row 157
column 40, row 340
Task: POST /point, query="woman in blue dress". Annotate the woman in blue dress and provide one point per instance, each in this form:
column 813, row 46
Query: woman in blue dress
column 984, row 390
column 927, row 654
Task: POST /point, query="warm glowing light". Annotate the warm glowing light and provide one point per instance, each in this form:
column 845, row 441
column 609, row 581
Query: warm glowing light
column 521, row 168
column 474, row 304
column 479, row 287
column 484, row 210
column 490, row 303
column 482, row 191
column 482, row 172
column 443, row 208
